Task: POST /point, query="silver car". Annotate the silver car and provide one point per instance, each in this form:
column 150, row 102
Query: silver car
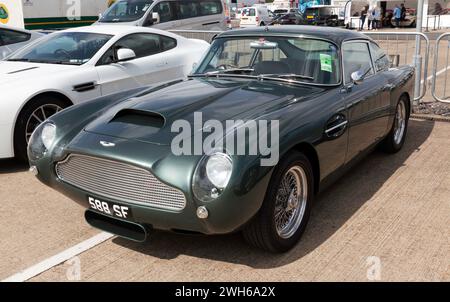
column 168, row 14
column 11, row 39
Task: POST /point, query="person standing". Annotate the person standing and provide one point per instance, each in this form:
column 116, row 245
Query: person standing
column 403, row 9
column 397, row 15
column 370, row 19
column 376, row 18
column 362, row 18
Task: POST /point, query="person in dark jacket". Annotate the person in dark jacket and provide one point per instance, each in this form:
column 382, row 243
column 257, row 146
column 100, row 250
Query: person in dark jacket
column 403, row 10
column 362, row 18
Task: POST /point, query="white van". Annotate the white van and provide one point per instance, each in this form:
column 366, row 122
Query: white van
column 167, row 14
column 255, row 16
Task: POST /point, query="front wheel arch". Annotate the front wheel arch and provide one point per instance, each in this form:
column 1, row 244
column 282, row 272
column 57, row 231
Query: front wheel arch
column 54, row 95
column 311, row 153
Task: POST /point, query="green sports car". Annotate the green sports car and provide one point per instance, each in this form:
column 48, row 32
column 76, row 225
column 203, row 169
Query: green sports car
column 269, row 118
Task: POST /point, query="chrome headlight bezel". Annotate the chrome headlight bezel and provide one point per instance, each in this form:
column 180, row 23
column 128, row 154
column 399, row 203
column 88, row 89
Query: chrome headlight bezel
column 206, row 189
column 42, row 140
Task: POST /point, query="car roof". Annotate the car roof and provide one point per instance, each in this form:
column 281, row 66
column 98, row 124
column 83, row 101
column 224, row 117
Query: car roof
column 117, row 30
column 336, row 35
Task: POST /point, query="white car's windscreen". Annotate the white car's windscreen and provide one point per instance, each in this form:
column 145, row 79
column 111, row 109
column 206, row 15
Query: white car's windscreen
column 74, row 48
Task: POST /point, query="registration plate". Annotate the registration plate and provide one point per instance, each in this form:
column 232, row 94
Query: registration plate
column 109, row 208
column 309, row 17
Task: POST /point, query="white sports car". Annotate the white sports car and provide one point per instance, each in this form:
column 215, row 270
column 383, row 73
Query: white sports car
column 81, row 64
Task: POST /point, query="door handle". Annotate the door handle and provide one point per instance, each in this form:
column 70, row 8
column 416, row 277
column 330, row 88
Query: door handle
column 336, row 126
column 162, row 64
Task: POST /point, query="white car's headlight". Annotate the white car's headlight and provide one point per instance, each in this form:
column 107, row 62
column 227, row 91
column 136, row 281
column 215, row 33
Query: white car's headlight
column 212, row 175
column 218, row 169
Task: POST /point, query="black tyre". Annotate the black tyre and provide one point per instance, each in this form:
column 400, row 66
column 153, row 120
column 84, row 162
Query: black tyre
column 31, row 116
column 282, row 219
column 262, row 24
column 396, row 137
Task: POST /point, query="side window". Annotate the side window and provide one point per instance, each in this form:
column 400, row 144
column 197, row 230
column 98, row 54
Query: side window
column 356, row 57
column 167, row 43
column 380, row 58
column 165, row 12
column 188, row 9
column 8, row 37
column 142, row 44
column 210, row 7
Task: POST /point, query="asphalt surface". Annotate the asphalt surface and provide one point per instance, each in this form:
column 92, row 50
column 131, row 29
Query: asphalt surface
column 388, row 219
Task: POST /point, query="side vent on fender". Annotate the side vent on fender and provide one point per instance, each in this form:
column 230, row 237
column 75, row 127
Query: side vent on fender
column 85, row 87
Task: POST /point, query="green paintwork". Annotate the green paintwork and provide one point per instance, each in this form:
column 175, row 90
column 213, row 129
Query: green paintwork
column 58, row 23
column 304, row 112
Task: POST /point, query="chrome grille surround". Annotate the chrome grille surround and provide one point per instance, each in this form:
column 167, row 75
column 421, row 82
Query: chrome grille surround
column 119, row 181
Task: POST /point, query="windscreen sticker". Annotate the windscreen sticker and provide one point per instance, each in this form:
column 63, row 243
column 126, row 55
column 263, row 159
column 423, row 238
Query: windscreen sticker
column 325, row 63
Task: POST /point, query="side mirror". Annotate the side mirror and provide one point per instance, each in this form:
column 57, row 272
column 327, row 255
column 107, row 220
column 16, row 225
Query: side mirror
column 357, row 77
column 125, row 54
column 155, row 17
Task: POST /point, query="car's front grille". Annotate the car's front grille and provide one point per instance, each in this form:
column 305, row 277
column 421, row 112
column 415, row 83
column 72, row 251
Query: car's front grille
column 119, row 181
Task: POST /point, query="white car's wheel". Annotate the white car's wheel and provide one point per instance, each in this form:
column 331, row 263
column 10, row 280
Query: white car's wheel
column 31, row 116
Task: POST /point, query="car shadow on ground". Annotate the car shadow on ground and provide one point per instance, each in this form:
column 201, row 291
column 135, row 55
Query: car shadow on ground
column 332, row 209
column 12, row 166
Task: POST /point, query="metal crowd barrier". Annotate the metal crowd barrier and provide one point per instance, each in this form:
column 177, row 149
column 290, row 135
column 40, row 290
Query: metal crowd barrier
column 445, row 67
column 197, row 34
column 407, row 47
column 399, row 46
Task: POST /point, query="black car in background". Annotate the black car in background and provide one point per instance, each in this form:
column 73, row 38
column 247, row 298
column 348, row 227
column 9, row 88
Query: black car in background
column 321, row 16
column 292, row 18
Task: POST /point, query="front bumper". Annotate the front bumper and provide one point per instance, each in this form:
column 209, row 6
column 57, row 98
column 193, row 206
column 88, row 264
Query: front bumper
column 6, row 147
column 228, row 213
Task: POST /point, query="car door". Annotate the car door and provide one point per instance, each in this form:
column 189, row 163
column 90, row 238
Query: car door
column 151, row 65
column 363, row 100
column 167, row 16
column 381, row 63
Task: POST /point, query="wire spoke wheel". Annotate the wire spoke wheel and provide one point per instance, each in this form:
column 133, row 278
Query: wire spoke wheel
column 38, row 117
column 400, row 123
column 291, row 202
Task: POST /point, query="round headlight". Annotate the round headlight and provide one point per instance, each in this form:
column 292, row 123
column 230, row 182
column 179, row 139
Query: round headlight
column 218, row 169
column 48, row 135
column 212, row 175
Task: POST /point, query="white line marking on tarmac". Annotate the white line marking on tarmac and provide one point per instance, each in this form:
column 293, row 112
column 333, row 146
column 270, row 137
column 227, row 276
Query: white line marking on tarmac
column 53, row 261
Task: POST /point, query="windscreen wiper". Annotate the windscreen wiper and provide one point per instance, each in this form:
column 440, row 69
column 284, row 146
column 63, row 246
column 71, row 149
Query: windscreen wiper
column 290, row 75
column 232, row 70
column 19, row 60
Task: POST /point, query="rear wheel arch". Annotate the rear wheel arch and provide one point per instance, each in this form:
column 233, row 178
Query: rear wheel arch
column 408, row 103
